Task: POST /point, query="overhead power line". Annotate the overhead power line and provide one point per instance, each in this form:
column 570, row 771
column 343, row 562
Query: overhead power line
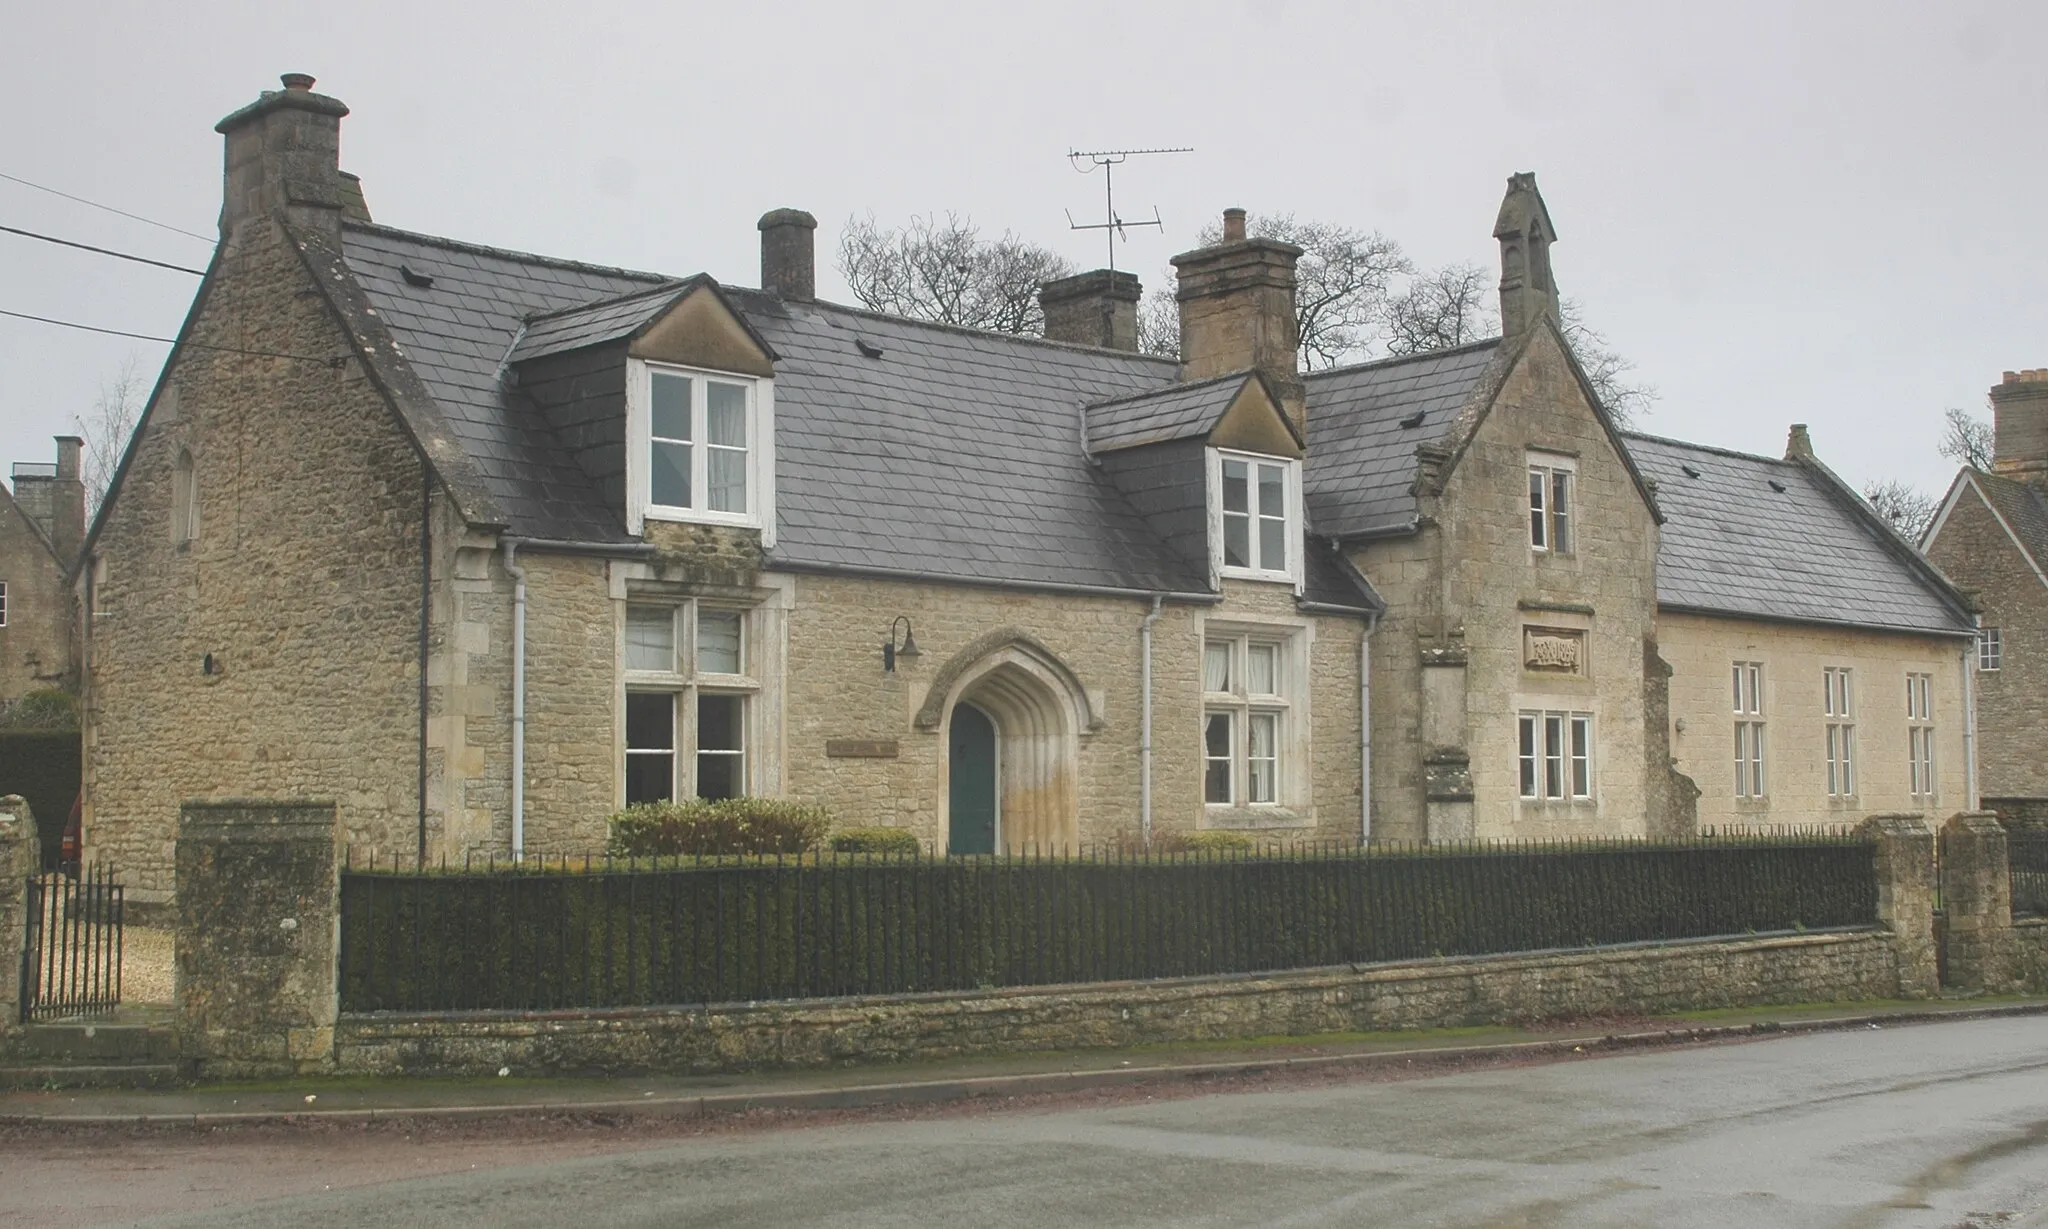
column 87, row 247
column 109, row 208
column 336, row 361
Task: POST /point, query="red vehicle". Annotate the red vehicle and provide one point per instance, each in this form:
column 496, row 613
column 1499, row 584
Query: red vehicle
column 71, row 850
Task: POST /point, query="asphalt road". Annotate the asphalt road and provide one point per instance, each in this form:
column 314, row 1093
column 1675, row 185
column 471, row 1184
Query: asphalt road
column 1942, row 1125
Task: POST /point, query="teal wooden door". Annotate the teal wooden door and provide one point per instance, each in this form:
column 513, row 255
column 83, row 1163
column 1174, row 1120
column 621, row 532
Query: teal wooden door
column 972, row 798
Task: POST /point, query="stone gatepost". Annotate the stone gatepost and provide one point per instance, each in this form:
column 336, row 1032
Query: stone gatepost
column 21, row 856
column 1905, row 897
column 258, row 931
column 1976, row 896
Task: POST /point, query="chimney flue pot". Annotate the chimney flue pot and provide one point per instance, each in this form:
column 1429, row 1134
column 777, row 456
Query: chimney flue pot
column 1233, row 225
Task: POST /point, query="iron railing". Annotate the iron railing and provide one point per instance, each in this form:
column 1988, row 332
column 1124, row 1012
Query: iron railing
column 71, row 962
column 2027, row 854
column 619, row 933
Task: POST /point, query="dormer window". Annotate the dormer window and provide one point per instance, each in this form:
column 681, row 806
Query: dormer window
column 700, row 445
column 1255, row 515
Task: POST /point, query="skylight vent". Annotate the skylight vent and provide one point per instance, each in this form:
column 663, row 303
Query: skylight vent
column 1777, row 486
column 866, row 347
column 415, row 277
column 1415, row 419
column 1690, row 472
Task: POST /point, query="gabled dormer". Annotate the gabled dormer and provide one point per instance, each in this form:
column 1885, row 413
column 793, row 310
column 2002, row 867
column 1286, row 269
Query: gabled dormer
column 666, row 399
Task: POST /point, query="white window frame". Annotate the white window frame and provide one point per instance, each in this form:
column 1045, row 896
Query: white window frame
column 1838, row 706
column 1243, row 707
column 3, row 603
column 640, row 508
column 1990, row 650
column 1752, row 734
column 1547, row 523
column 1291, row 566
column 1920, row 766
column 685, row 684
column 1554, row 756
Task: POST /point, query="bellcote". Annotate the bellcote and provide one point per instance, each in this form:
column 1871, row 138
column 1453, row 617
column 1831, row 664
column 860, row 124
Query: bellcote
column 1528, row 292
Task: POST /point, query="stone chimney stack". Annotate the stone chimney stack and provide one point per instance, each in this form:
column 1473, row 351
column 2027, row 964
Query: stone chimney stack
column 1527, row 291
column 284, row 153
column 1237, row 313
column 1097, row 308
column 2019, row 418
column 789, row 261
column 53, row 496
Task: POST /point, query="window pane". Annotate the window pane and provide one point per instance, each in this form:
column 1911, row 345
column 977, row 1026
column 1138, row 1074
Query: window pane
column 1216, row 666
column 726, row 476
column 1272, row 491
column 650, row 721
column 1236, row 487
column 1582, row 757
column 1265, row 743
column 1272, row 544
column 718, row 641
column 1561, row 511
column 669, row 475
column 1237, row 541
column 669, row 407
column 1262, row 669
column 1538, row 534
column 725, row 414
column 1216, row 750
column 1528, row 755
column 721, row 741
column 651, row 638
column 1737, row 676
column 650, row 778
column 1553, row 756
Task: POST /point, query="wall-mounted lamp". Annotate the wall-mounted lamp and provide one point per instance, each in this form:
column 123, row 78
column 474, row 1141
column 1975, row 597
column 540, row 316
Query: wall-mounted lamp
column 891, row 650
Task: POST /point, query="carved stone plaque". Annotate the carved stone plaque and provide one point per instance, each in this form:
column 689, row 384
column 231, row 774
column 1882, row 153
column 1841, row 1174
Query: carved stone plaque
column 1554, row 650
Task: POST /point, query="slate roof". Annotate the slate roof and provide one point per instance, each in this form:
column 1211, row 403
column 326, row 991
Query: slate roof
column 1733, row 543
column 576, row 327
column 1361, row 459
column 2023, row 507
column 1179, row 412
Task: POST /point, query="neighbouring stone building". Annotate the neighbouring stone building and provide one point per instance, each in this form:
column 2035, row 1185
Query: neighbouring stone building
column 42, row 524
column 1991, row 537
column 483, row 545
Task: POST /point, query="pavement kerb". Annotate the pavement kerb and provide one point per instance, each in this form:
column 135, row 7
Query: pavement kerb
column 926, row 1092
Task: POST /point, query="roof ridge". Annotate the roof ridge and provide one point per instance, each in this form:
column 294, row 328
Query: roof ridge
column 1713, row 448
column 1396, row 359
column 942, row 326
column 463, row 245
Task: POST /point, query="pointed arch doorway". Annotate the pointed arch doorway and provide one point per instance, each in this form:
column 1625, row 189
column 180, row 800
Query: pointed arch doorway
column 973, row 792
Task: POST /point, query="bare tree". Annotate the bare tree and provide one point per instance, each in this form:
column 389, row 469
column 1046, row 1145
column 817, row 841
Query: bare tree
column 946, row 272
column 1608, row 372
column 1442, row 308
column 1159, row 323
column 1909, row 509
column 1967, row 439
column 106, row 430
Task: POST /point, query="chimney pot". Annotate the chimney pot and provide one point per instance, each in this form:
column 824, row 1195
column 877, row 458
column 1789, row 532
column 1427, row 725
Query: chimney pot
column 789, row 262
column 297, row 81
column 1233, row 225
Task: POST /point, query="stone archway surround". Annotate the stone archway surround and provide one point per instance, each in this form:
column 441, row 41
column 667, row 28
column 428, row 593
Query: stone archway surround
column 1041, row 711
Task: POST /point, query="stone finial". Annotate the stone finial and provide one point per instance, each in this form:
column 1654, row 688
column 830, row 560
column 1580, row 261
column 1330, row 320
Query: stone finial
column 1528, row 293
column 1798, row 444
column 1097, row 308
column 789, row 262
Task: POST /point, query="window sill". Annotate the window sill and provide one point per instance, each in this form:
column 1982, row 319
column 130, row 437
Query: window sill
column 1271, row 578
column 1561, row 804
column 1228, row 816
column 691, row 516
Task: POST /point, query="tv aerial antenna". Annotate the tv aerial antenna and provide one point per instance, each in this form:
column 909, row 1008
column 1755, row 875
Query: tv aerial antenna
column 1107, row 160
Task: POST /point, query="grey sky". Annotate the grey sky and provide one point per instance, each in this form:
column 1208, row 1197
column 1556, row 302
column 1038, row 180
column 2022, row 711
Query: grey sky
column 1817, row 212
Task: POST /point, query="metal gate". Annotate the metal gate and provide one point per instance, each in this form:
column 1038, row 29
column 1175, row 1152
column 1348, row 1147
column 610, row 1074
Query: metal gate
column 71, row 964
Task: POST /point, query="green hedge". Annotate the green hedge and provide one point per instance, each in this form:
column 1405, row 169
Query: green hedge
column 695, row 826
column 43, row 766
column 876, row 840
column 823, row 926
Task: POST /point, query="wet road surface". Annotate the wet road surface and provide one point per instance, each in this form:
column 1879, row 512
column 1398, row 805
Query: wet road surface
column 1939, row 1125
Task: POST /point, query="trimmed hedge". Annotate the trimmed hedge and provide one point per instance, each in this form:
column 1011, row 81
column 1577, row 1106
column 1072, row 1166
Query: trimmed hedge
column 875, row 840
column 726, row 826
column 43, row 766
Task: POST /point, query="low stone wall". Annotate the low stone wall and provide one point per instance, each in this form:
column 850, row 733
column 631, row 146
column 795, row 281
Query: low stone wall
column 1634, row 979
column 2030, row 953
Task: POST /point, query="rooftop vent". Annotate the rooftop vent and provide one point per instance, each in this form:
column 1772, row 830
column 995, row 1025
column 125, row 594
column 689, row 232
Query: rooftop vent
column 1777, row 486
column 1415, row 419
column 415, row 277
column 1690, row 472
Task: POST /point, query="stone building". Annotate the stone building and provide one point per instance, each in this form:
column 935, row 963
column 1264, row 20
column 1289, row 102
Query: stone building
column 42, row 524
column 1991, row 536
column 483, row 545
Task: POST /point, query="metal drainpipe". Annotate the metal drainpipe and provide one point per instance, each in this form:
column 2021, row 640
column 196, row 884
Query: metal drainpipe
column 1970, row 716
column 518, row 575
column 1145, row 723
column 1365, row 730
